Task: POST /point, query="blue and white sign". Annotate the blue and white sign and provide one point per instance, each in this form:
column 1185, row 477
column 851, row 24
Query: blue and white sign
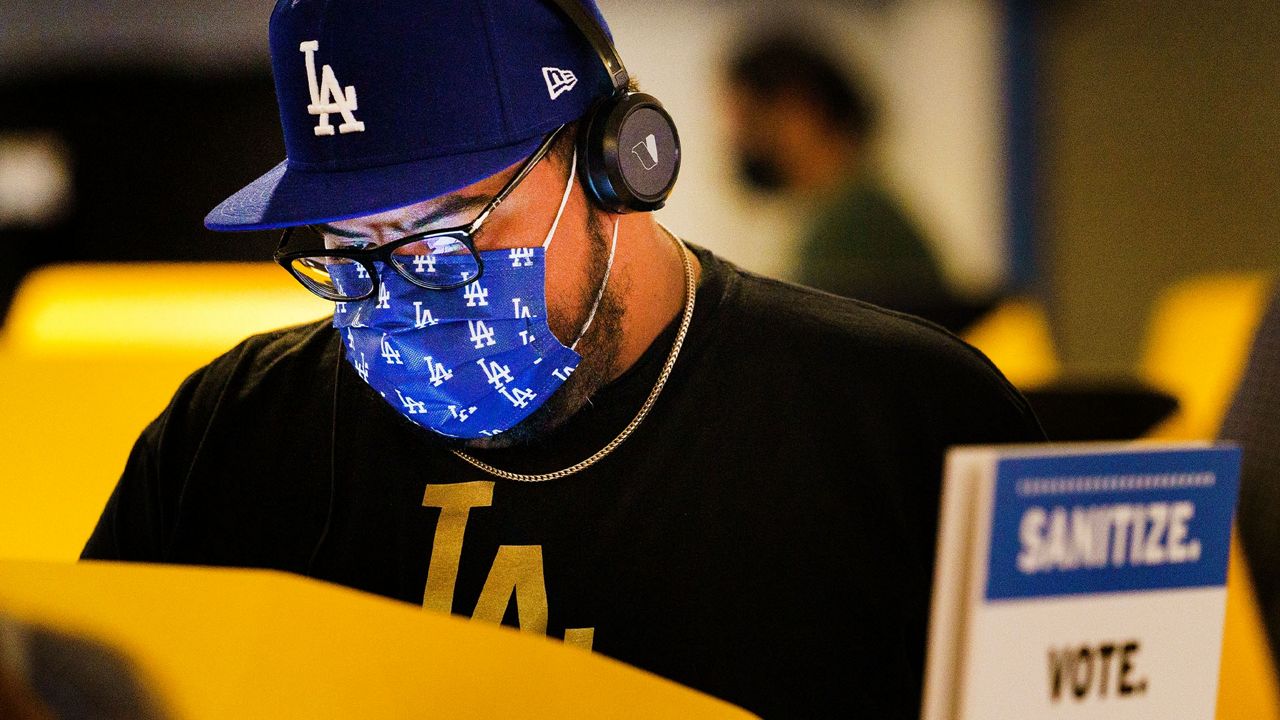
column 1081, row 582
column 1108, row 523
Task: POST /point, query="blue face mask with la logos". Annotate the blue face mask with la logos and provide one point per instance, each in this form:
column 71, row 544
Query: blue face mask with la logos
column 466, row 363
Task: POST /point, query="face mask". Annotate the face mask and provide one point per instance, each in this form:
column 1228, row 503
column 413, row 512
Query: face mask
column 761, row 172
column 471, row 362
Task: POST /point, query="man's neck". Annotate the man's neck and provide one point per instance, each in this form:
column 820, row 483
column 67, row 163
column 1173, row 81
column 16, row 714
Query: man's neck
column 652, row 280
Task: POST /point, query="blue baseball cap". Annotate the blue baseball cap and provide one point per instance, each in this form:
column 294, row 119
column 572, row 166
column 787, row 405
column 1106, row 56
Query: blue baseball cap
column 388, row 103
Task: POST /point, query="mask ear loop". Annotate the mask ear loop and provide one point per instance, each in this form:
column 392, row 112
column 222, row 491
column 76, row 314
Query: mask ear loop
column 564, row 200
column 608, row 269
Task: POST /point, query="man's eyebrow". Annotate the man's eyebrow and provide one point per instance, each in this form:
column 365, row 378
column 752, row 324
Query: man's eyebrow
column 331, row 230
column 452, row 205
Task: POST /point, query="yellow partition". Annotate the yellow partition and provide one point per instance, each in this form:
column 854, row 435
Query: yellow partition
column 68, row 424
column 1016, row 337
column 149, row 308
column 221, row 643
column 1247, row 685
column 1197, row 346
column 89, row 355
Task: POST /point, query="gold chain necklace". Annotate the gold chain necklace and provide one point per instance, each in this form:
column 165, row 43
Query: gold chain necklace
column 690, row 291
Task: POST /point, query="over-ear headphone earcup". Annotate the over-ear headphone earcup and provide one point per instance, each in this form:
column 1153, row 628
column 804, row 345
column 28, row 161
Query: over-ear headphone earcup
column 629, row 153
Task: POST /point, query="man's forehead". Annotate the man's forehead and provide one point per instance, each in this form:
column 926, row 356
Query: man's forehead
column 417, row 216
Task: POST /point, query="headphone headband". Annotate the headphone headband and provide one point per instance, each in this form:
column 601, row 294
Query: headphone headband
column 591, row 30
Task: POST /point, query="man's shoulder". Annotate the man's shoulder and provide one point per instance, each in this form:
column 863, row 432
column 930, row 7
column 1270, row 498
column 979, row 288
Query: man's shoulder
column 262, row 352
column 795, row 313
column 807, row 331
column 271, row 363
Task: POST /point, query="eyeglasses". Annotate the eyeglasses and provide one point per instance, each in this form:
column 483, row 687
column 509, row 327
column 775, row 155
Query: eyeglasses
column 433, row 259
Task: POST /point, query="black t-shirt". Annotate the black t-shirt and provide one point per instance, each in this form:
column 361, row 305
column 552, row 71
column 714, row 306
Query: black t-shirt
column 766, row 535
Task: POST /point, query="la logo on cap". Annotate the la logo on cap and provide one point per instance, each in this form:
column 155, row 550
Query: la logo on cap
column 328, row 96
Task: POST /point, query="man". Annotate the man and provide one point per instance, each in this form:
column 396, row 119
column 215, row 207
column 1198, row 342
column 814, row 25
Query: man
column 799, row 124
column 735, row 488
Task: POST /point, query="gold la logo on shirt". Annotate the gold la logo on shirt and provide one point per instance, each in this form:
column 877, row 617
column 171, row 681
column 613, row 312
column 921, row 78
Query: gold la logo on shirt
column 517, row 569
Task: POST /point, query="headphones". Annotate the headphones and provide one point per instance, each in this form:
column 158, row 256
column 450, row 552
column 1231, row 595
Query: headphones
column 628, row 147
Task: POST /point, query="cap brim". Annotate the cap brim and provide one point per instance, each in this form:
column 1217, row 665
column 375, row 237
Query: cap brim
column 285, row 196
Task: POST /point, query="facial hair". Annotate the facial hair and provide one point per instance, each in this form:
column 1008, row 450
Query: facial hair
column 599, row 348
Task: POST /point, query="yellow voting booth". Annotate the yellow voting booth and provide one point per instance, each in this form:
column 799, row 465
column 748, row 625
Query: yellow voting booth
column 223, row 643
column 90, row 354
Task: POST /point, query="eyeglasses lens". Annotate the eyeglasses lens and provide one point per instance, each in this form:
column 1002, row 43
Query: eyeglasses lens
column 336, row 278
column 436, row 261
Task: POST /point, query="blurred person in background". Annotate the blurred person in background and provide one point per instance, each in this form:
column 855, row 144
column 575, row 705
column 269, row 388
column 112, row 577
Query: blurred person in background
column 47, row 674
column 533, row 404
column 799, row 124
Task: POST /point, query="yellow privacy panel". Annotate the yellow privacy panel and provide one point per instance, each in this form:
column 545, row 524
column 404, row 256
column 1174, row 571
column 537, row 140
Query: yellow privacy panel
column 1247, row 687
column 89, row 355
column 67, row 424
column 151, row 307
column 220, row 643
column 1016, row 337
column 1198, row 344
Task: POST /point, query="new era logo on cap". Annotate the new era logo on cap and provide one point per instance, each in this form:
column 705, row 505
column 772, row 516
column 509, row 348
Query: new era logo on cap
column 558, row 81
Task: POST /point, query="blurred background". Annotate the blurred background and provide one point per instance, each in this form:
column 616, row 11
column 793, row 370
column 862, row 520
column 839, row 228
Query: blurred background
column 1084, row 190
column 1089, row 153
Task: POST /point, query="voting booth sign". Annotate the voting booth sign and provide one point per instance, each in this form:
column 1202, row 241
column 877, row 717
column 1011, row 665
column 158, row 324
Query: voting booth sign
column 1082, row 581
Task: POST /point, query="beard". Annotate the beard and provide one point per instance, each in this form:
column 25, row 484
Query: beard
column 599, row 348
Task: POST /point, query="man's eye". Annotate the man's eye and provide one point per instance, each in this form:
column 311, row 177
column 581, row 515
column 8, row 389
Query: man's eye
column 446, row 246
column 337, row 243
column 432, row 246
